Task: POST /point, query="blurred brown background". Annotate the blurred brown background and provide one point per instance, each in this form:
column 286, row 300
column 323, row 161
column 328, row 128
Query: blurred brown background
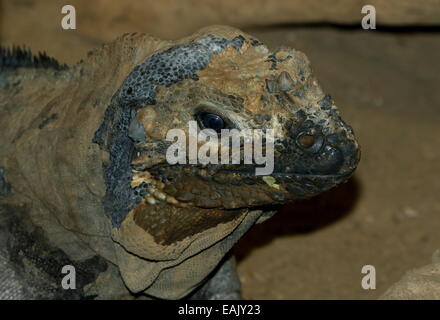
column 386, row 83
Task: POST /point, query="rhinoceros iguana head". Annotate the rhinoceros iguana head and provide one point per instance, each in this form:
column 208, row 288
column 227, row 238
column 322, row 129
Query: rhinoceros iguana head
column 231, row 83
column 219, row 78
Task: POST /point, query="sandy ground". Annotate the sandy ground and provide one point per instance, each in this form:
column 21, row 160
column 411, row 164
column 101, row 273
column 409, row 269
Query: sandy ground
column 387, row 87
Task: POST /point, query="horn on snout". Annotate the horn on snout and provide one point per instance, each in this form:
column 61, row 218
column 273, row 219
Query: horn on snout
column 285, row 82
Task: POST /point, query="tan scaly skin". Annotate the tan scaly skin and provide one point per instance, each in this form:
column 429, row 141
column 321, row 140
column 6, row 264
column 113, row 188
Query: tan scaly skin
column 84, row 150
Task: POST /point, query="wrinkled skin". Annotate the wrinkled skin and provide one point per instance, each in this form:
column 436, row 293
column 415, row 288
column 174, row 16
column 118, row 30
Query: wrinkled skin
column 95, row 137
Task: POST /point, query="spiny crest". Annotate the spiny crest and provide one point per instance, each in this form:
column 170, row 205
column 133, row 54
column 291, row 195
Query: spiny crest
column 22, row 57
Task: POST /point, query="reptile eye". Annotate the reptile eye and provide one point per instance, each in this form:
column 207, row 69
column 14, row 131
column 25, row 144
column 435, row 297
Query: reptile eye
column 211, row 121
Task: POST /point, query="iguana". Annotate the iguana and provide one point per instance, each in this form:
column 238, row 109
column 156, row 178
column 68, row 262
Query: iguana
column 84, row 179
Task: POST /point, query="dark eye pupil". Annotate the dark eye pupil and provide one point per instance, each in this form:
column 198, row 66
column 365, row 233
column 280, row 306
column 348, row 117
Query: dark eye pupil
column 211, row 121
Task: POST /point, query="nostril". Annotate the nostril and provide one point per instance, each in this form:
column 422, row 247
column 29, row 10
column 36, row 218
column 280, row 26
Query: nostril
column 330, row 160
column 310, row 142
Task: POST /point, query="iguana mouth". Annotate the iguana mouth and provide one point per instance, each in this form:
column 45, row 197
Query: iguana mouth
column 236, row 186
column 289, row 176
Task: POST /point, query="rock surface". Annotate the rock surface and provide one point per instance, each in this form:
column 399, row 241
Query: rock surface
column 418, row 284
column 172, row 19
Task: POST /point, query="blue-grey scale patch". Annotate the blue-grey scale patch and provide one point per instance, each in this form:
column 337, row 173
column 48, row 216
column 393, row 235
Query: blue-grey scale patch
column 170, row 66
column 5, row 187
column 274, row 60
column 141, row 190
column 326, row 102
column 139, row 90
column 255, row 42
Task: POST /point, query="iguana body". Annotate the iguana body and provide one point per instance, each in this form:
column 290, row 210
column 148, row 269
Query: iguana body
column 83, row 158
